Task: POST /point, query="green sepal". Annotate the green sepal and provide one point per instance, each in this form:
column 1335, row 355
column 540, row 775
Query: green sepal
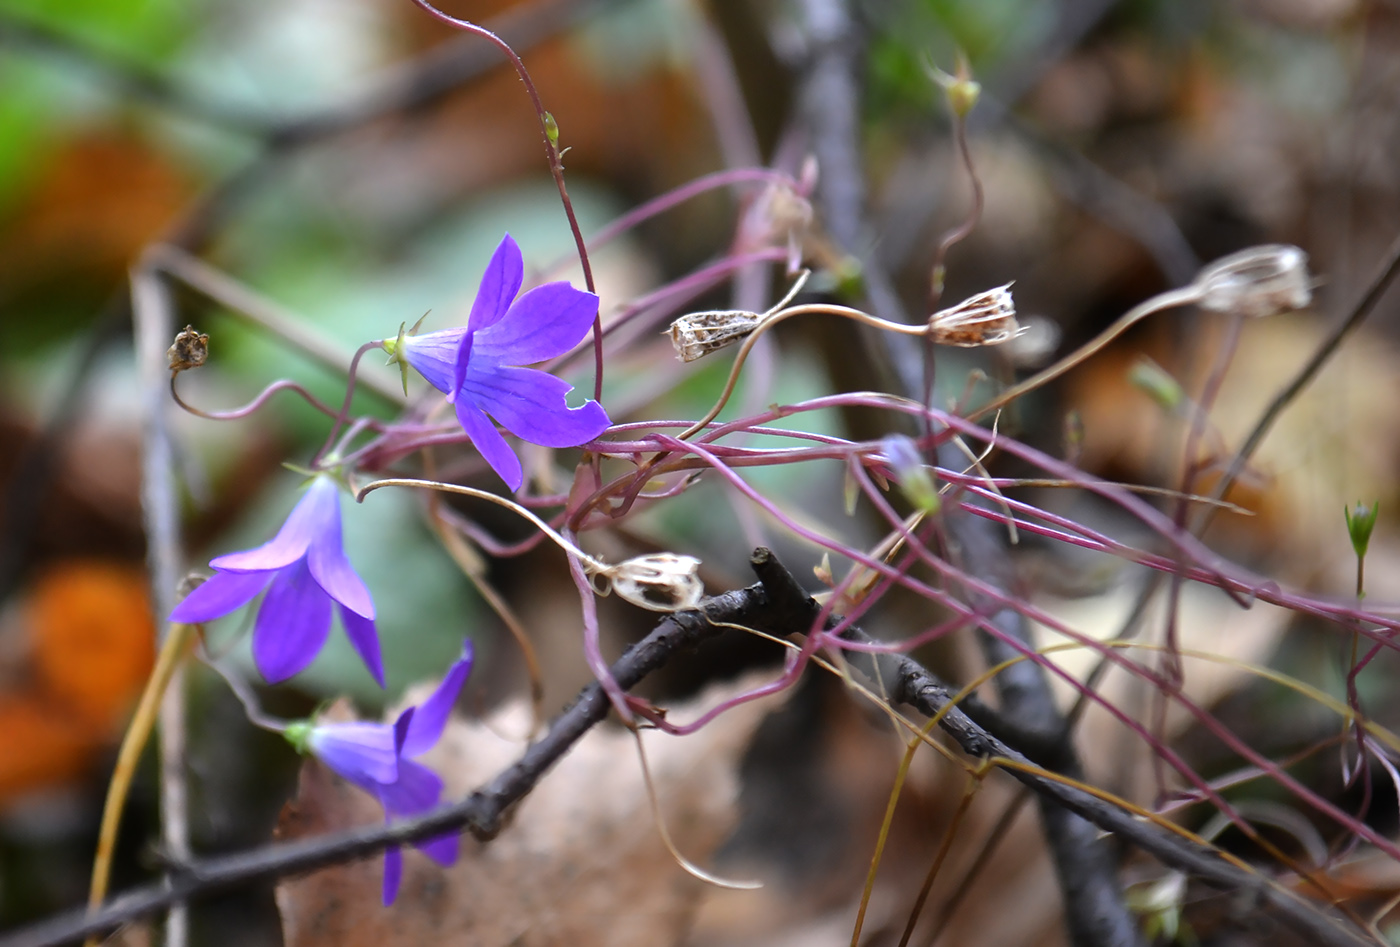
column 298, row 734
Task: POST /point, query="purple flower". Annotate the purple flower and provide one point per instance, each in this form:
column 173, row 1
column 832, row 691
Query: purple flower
column 377, row 757
column 304, row 569
column 476, row 366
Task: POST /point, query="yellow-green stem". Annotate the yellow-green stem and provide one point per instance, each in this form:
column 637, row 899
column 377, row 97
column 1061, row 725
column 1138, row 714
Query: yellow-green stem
column 177, row 643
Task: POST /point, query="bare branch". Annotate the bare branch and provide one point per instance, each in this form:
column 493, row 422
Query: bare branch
column 778, row 605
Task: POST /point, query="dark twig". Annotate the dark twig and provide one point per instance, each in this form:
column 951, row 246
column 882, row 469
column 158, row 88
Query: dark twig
column 1385, row 275
column 480, row 813
column 778, row 605
column 1094, row 908
column 910, row 683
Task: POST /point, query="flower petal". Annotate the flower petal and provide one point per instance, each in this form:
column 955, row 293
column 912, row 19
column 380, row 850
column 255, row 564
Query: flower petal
column 401, row 725
column 431, row 716
column 531, row 405
column 332, row 570
column 545, row 322
column 362, row 752
column 314, row 513
column 417, row 789
column 220, row 594
column 434, row 356
column 421, row 788
column 459, row 369
column 365, row 640
column 393, row 874
column 292, row 624
column 490, row 443
column 499, row 284
column 440, row 848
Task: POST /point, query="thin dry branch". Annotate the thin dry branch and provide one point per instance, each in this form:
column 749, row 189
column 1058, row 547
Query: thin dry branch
column 779, row 606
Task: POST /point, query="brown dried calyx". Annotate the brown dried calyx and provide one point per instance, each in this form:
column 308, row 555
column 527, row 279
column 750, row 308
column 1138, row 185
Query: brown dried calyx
column 189, row 350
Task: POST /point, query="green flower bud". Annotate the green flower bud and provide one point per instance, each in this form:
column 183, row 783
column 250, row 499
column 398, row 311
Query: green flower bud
column 1361, row 520
column 961, row 89
column 914, row 477
column 1161, row 387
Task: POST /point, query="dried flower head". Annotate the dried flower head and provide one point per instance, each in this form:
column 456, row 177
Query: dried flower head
column 697, row 334
column 662, row 582
column 989, row 318
column 189, row 350
column 1260, row 281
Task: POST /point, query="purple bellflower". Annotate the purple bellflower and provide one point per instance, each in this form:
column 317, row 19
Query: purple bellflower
column 304, row 569
column 378, row 757
column 477, row 366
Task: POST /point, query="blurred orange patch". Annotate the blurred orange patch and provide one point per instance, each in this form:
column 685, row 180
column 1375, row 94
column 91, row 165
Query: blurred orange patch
column 91, row 651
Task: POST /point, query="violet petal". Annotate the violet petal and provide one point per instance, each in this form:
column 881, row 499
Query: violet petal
column 420, row 788
column 434, row 356
column 332, row 570
column 490, row 443
column 459, row 369
column 531, row 405
column 312, row 515
column 417, row 789
column 426, row 727
column 292, row 624
column 499, row 284
column 220, row 594
column 365, row 641
column 393, row 874
column 401, row 726
column 547, row 321
column 361, row 752
column 440, row 848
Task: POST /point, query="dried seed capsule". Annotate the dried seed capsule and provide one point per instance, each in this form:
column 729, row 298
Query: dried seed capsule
column 663, row 582
column 1260, row 281
column 988, row 318
column 697, row 334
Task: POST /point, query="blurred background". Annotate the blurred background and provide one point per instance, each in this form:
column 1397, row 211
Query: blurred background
column 356, row 162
